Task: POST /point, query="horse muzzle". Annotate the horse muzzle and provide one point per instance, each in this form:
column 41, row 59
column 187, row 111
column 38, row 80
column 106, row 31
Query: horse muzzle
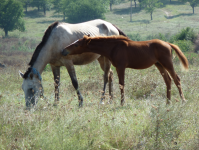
column 65, row 52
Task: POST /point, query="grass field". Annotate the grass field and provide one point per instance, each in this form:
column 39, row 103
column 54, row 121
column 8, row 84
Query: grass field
column 144, row 122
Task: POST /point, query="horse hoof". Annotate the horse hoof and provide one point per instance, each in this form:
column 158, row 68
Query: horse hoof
column 55, row 104
column 102, row 102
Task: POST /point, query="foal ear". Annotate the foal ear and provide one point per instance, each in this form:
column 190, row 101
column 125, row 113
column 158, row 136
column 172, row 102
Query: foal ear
column 21, row 74
column 88, row 41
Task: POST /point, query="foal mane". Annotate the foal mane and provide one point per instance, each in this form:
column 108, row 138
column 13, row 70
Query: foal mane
column 42, row 43
column 113, row 37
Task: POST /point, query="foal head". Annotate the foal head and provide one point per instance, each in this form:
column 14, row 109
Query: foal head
column 31, row 86
column 77, row 47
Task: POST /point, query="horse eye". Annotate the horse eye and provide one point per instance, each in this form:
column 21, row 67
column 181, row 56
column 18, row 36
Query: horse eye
column 31, row 90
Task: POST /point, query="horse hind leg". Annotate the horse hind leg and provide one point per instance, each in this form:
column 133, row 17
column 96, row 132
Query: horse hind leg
column 56, row 74
column 167, row 80
column 169, row 67
column 105, row 64
column 72, row 74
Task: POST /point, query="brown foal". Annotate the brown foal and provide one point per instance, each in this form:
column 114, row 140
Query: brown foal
column 124, row 53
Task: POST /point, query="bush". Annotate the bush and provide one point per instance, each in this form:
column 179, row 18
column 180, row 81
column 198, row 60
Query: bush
column 134, row 37
column 81, row 11
column 187, row 34
column 184, row 45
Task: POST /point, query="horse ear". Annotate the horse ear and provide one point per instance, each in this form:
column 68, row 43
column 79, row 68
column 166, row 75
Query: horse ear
column 21, row 74
column 31, row 76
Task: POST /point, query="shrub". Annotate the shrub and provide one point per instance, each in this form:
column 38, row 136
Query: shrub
column 184, row 45
column 134, row 37
column 187, row 34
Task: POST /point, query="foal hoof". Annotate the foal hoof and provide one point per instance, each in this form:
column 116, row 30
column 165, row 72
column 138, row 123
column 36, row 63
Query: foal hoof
column 184, row 101
column 122, row 103
column 80, row 104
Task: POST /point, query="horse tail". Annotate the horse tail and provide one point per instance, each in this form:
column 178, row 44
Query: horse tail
column 181, row 56
column 120, row 31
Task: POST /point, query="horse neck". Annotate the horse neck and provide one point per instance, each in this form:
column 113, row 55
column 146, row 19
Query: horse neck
column 101, row 47
column 42, row 60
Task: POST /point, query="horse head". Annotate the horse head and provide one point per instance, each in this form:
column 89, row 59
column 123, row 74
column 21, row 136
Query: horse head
column 77, row 47
column 32, row 86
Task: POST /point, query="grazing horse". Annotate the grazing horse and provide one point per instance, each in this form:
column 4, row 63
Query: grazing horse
column 56, row 37
column 124, row 53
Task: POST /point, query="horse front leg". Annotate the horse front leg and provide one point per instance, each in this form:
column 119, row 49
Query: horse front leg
column 120, row 73
column 72, row 74
column 105, row 65
column 56, row 74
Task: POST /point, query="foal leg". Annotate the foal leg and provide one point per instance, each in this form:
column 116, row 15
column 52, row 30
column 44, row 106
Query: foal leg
column 121, row 72
column 105, row 64
column 71, row 72
column 56, row 74
column 167, row 80
column 169, row 67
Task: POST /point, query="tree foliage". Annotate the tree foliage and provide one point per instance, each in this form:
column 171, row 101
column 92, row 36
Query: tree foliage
column 61, row 6
column 193, row 3
column 44, row 4
column 111, row 2
column 11, row 16
column 85, row 10
column 151, row 5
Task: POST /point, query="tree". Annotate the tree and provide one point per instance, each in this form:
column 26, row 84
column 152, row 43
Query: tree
column 140, row 3
column 111, row 2
column 151, row 5
column 61, row 6
column 11, row 14
column 25, row 4
column 44, row 4
column 85, row 10
column 131, row 11
column 193, row 3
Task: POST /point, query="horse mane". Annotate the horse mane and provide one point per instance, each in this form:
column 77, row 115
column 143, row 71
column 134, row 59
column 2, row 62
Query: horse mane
column 25, row 76
column 113, row 37
column 42, row 43
column 120, row 31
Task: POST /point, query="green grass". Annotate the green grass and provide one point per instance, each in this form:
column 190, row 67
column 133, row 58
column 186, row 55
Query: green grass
column 144, row 122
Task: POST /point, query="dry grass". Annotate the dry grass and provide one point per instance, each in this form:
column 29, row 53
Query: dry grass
column 144, row 122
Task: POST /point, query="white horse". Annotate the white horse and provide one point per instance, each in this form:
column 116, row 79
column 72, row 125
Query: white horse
column 56, row 38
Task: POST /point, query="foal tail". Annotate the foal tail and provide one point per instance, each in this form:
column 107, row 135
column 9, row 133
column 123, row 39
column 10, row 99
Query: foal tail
column 181, row 56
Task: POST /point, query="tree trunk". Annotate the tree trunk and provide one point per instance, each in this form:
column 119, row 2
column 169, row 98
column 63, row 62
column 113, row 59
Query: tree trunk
column 64, row 15
column 151, row 17
column 135, row 3
column 26, row 7
column 170, row 1
column 44, row 10
column 110, row 6
column 6, row 33
column 131, row 12
column 193, row 9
